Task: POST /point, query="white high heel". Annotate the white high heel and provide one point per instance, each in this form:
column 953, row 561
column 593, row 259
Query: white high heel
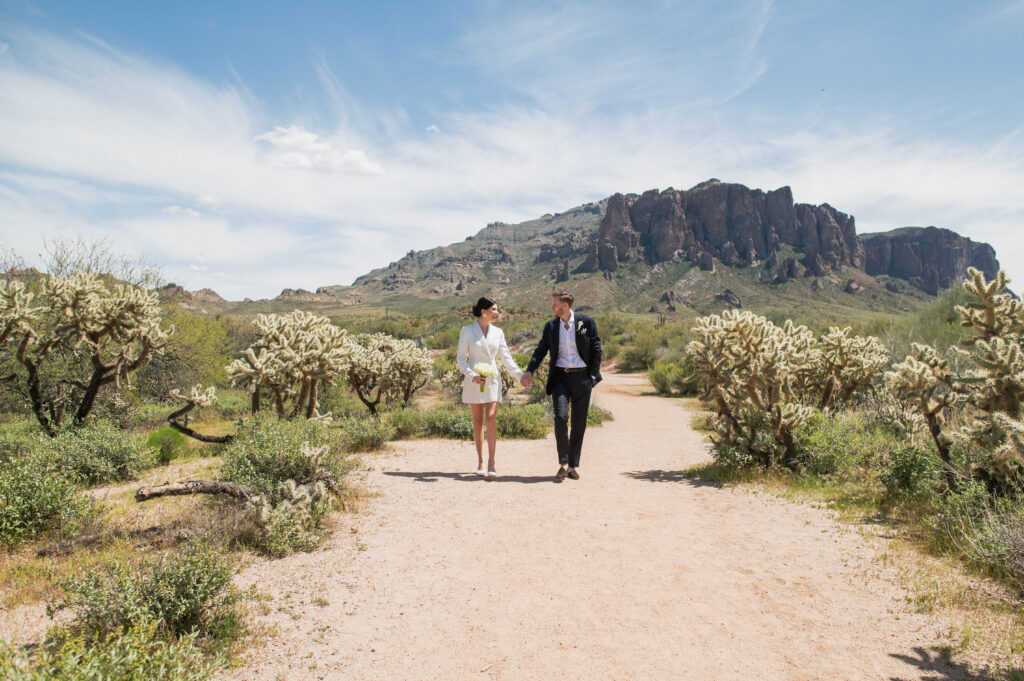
column 492, row 474
column 481, row 471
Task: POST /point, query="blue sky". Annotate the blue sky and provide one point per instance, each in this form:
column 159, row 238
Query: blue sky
column 250, row 147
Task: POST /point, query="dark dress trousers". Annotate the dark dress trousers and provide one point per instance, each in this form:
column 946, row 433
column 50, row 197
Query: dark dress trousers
column 570, row 390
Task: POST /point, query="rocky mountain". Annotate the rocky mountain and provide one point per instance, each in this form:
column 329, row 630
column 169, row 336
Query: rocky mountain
column 716, row 243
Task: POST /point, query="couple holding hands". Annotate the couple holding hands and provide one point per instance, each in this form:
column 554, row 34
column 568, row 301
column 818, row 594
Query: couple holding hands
column 574, row 348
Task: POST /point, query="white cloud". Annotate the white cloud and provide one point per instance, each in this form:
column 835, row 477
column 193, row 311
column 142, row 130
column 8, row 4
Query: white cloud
column 183, row 212
column 433, row 128
column 296, row 147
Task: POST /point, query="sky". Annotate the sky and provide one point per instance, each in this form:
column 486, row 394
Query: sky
column 254, row 146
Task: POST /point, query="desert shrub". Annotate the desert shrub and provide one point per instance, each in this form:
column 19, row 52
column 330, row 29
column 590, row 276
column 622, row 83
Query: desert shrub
column 674, row 376
column 196, row 353
column 836, row 443
column 909, row 471
column 366, row 434
column 168, row 444
column 450, row 422
column 291, row 519
column 139, row 653
column 148, row 415
column 98, row 453
column 596, row 416
column 994, row 538
column 407, row 423
column 267, row 451
column 341, row 404
column 183, row 592
column 640, row 353
column 525, row 422
column 232, row 404
column 36, row 498
column 21, row 438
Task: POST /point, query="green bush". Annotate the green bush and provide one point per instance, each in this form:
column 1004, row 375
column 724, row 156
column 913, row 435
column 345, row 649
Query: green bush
column 365, row 434
column 596, row 416
column 835, row 444
column 526, row 422
column 36, row 498
column 98, row 453
column 640, row 354
column 674, row 377
column 185, row 592
column 267, row 451
column 168, row 443
column 341, row 404
column 21, row 438
column 450, row 422
column 407, row 423
column 139, row 653
column 910, row 471
column 233, row 404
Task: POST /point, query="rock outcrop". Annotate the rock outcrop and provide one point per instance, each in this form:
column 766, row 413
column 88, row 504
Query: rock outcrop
column 929, row 258
column 735, row 224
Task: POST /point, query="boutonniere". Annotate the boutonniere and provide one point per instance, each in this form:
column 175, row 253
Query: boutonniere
column 579, row 326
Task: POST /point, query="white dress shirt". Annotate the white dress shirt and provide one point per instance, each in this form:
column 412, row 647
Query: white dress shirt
column 568, row 355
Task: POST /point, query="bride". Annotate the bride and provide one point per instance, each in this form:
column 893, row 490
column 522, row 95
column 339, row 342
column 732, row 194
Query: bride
column 481, row 344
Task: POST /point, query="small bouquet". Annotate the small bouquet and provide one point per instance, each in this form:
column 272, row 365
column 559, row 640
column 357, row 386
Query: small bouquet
column 484, row 371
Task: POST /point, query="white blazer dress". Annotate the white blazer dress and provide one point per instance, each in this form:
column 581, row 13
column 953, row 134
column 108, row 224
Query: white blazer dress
column 475, row 348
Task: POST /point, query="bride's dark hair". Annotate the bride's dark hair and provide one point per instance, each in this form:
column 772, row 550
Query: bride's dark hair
column 482, row 304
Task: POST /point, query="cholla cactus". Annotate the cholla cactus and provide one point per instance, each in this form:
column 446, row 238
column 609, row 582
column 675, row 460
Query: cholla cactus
column 750, row 368
column 995, row 313
column 99, row 330
column 290, row 518
column 382, row 366
column 852, row 362
column 994, row 387
column 925, row 380
column 295, row 355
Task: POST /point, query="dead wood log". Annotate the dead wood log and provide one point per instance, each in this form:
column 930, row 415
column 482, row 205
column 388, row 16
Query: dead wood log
column 228, row 489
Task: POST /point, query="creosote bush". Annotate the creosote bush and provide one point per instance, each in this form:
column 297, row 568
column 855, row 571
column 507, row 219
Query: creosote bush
column 38, row 498
column 365, row 434
column 526, row 422
column 139, row 653
column 184, row 593
column 98, row 453
column 168, row 444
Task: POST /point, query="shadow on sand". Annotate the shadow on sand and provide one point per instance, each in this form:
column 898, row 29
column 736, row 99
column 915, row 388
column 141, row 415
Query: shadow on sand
column 940, row 670
column 433, row 476
column 671, row 476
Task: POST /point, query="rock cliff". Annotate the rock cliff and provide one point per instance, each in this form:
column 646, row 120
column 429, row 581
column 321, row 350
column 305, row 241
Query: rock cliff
column 929, row 258
column 735, row 224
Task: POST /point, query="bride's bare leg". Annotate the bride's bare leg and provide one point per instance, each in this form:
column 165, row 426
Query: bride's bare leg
column 492, row 432
column 478, row 432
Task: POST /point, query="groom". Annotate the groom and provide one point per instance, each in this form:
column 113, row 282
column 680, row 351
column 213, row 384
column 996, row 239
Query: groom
column 575, row 348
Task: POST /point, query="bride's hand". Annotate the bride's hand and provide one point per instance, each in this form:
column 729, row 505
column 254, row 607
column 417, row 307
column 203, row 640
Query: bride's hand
column 479, row 380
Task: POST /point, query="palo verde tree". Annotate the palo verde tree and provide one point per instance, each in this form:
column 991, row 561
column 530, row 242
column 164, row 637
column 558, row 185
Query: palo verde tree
column 72, row 335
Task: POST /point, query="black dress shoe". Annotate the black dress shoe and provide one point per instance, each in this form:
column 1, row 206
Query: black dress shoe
column 572, row 474
column 560, row 475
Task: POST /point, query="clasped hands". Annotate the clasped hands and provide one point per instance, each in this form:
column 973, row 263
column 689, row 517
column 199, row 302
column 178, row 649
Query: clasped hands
column 527, row 379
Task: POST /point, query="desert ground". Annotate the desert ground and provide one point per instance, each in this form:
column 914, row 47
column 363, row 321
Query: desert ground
column 635, row 571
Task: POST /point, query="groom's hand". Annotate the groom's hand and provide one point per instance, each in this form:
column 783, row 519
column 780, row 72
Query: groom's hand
column 526, row 380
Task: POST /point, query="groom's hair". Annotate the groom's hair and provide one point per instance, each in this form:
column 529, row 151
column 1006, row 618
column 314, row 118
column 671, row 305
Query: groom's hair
column 563, row 296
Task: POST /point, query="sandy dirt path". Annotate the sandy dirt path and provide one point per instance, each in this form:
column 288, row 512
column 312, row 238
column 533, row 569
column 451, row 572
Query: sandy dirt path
column 632, row 572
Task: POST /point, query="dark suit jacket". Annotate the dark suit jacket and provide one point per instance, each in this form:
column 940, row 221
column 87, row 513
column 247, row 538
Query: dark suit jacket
column 588, row 344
